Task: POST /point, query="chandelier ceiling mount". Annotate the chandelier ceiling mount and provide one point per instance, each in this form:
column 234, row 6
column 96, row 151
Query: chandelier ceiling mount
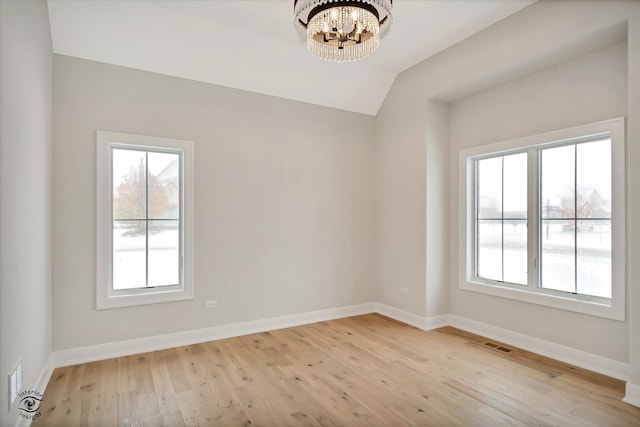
column 342, row 30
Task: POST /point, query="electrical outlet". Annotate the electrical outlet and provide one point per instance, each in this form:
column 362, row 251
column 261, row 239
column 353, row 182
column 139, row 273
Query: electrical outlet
column 212, row 303
column 405, row 291
column 15, row 383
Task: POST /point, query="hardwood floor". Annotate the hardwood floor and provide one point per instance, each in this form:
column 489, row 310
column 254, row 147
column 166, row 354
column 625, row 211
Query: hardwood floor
column 365, row 370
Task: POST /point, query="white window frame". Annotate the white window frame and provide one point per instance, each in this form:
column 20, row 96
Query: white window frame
column 106, row 297
column 613, row 308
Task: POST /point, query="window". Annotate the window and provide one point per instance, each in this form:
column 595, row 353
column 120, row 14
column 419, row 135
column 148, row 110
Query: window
column 542, row 219
column 144, row 220
column 501, row 218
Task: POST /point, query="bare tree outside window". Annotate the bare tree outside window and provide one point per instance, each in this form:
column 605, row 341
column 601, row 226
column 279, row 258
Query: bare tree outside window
column 130, row 197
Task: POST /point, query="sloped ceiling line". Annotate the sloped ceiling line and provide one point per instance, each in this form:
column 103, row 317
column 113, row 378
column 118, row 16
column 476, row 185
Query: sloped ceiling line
column 252, row 44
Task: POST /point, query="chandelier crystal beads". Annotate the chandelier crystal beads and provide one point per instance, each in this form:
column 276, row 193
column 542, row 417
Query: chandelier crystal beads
column 342, row 30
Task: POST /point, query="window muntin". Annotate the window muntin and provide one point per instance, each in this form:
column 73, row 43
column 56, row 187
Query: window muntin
column 575, row 211
column 144, row 220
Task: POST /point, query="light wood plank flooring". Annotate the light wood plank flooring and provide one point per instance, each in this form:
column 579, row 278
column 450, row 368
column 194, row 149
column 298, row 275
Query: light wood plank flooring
column 364, row 370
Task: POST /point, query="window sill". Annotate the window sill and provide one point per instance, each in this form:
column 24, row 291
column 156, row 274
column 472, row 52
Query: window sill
column 115, row 301
column 564, row 303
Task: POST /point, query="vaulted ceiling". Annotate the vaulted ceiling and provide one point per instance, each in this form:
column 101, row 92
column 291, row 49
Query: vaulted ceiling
column 252, row 44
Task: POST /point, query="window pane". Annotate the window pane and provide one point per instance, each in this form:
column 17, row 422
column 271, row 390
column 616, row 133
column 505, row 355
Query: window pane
column 594, row 179
column 515, row 251
column 489, row 194
column 515, row 186
column 129, row 258
column 594, row 258
column 490, row 249
column 502, row 234
column 129, row 184
column 558, row 182
column 164, row 185
column 164, row 253
column 558, row 255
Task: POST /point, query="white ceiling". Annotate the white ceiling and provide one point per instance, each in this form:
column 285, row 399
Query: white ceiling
column 252, row 44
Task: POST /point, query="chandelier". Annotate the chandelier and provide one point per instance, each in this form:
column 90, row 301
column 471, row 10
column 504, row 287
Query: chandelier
column 342, row 30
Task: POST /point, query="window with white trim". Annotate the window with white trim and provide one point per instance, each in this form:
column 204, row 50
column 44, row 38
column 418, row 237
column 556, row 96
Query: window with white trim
column 144, row 218
column 542, row 219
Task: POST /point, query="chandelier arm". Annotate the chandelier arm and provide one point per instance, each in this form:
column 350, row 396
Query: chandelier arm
column 342, row 30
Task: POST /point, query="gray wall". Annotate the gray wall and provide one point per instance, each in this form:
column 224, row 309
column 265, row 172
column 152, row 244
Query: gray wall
column 541, row 69
column 401, row 200
column 633, row 195
column 590, row 88
column 288, row 219
column 283, row 200
column 25, row 193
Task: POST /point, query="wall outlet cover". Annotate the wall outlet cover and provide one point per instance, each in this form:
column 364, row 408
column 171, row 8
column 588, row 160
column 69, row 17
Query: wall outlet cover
column 15, row 383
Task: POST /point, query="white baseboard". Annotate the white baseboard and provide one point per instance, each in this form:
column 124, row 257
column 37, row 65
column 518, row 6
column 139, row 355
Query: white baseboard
column 45, row 375
column 592, row 362
column 401, row 315
column 435, row 322
column 632, row 395
column 40, row 386
column 74, row 356
column 420, row 322
column 22, row 422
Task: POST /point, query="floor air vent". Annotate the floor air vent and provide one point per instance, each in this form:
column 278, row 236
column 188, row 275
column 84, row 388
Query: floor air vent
column 497, row 347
